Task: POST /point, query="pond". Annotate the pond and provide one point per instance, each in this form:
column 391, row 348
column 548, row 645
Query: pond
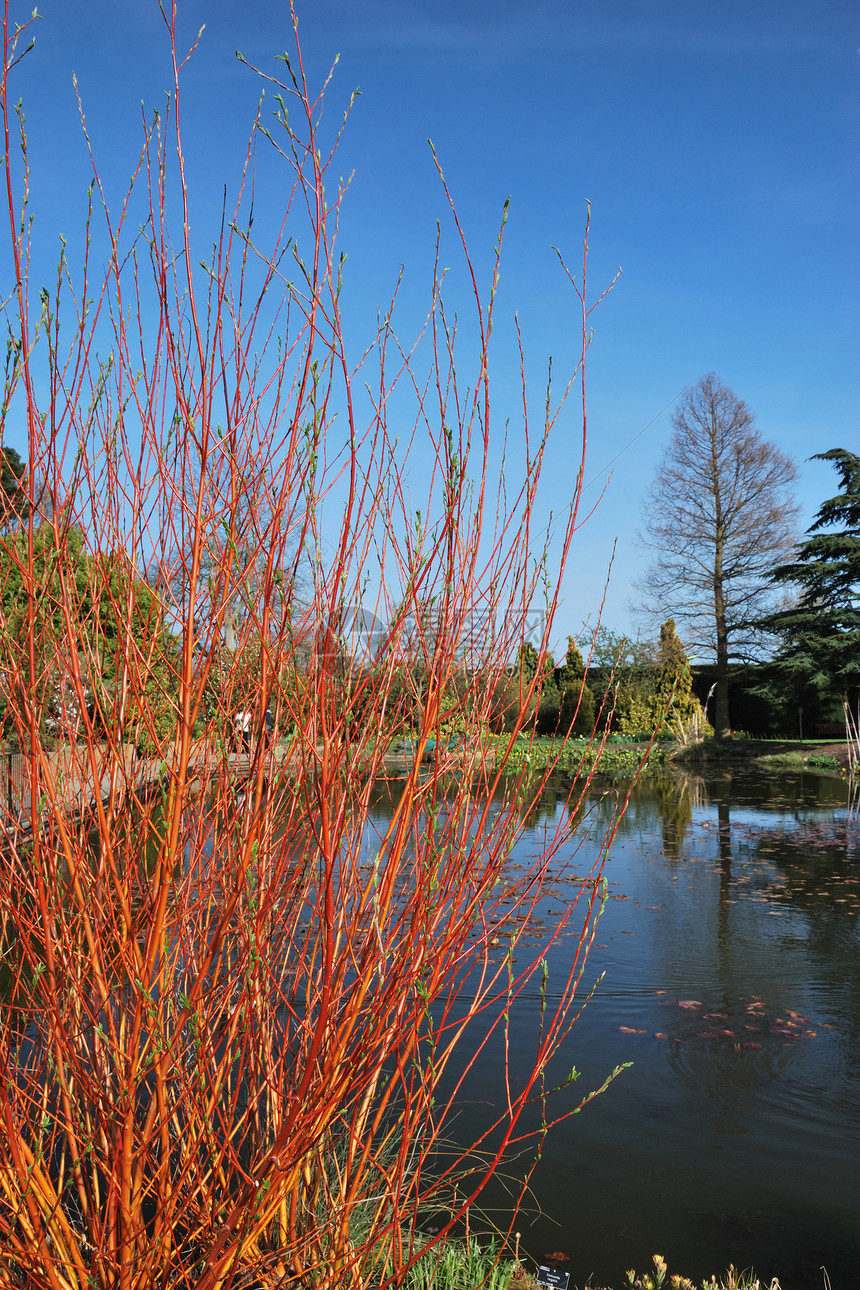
column 730, row 954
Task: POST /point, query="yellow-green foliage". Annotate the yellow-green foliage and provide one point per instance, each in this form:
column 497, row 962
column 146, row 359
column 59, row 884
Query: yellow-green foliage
column 663, row 697
column 674, row 678
column 635, row 713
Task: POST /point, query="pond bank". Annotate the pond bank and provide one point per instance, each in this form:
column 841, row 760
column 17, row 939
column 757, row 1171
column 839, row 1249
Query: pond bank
column 767, row 754
column 626, row 757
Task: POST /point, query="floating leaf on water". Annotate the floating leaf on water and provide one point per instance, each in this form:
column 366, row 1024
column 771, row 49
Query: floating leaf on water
column 689, row 1003
column 631, row 1030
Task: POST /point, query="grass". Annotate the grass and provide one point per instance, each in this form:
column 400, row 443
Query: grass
column 797, row 761
column 468, row 1265
column 574, row 756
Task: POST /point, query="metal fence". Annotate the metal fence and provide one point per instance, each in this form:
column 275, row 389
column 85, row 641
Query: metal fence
column 14, row 784
column 824, row 728
column 71, row 771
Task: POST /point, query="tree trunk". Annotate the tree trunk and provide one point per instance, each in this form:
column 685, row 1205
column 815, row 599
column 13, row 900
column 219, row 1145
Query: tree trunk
column 722, row 727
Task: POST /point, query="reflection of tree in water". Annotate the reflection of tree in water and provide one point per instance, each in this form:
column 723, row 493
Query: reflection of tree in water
column 807, row 864
column 813, row 870
column 641, row 815
column 657, row 802
column 724, row 851
column 815, row 867
column 676, row 796
column 545, row 810
column 555, row 805
column 803, row 795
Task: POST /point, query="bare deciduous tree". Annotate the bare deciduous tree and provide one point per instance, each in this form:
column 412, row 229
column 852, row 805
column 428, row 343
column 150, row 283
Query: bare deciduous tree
column 719, row 515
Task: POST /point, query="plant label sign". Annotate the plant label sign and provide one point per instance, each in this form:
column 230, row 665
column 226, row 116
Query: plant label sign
column 552, row 1278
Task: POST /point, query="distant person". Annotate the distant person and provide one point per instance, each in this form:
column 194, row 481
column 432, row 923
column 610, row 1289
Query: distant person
column 242, row 722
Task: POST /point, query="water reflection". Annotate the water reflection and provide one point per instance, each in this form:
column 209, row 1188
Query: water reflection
column 729, row 945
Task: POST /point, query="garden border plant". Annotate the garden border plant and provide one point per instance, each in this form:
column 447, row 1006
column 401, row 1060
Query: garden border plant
column 231, row 998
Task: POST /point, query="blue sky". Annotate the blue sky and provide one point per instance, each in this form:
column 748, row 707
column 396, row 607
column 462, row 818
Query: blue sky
column 717, row 142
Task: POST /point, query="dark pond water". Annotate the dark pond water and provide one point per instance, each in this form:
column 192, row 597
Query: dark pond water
column 730, row 946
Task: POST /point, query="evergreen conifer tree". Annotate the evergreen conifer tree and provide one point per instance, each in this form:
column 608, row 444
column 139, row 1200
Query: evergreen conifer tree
column 13, row 504
column 820, row 650
column 577, row 698
column 674, row 685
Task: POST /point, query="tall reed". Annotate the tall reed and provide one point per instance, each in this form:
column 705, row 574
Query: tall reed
column 232, row 1003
